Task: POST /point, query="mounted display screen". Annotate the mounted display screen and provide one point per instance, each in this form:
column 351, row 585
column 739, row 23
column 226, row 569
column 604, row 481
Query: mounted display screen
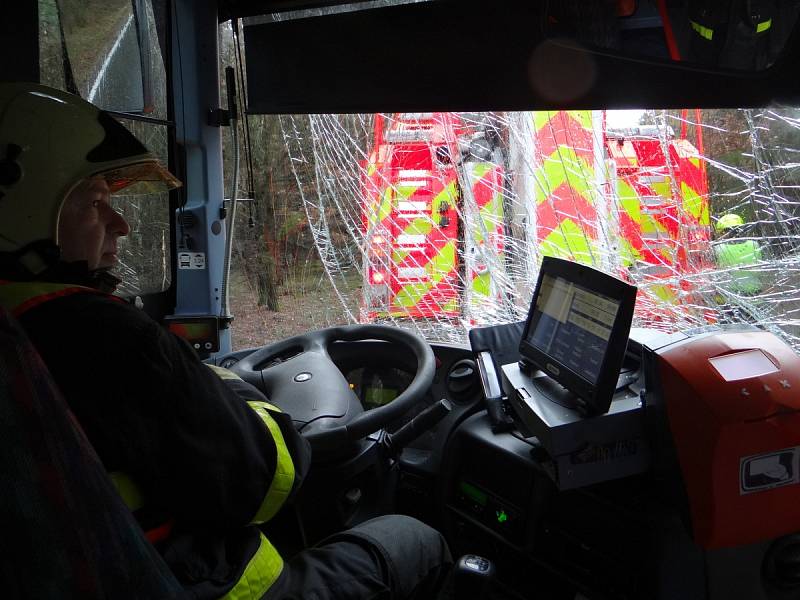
column 202, row 333
column 577, row 330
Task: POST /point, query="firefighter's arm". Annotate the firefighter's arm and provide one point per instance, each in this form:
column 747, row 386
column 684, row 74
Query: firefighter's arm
column 231, row 460
column 292, row 459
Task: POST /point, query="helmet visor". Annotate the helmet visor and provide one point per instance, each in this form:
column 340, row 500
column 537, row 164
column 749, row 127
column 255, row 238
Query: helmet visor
column 143, row 178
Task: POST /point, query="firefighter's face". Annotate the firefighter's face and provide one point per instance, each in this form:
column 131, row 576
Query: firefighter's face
column 88, row 227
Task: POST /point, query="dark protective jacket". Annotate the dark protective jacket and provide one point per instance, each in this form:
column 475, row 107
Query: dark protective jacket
column 205, row 462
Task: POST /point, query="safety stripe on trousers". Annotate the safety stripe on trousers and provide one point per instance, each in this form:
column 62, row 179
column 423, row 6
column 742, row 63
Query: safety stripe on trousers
column 260, row 573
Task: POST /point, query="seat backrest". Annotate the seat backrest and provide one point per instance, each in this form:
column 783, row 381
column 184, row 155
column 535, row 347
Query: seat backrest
column 64, row 530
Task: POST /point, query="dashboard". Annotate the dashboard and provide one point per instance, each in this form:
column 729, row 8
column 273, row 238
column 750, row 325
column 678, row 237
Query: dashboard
column 494, row 494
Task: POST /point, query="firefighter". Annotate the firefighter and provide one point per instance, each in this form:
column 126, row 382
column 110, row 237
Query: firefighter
column 201, row 461
column 733, row 254
column 739, row 34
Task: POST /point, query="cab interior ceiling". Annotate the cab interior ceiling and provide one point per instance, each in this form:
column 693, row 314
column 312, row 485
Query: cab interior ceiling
column 401, row 59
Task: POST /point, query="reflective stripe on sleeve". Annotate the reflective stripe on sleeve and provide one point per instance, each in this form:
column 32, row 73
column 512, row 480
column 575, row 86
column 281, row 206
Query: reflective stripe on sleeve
column 704, row 32
column 763, row 26
column 223, row 373
column 283, row 480
column 19, row 297
column 227, row 374
column 260, row 573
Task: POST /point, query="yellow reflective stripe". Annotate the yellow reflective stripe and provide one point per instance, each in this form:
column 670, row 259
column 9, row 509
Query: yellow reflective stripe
column 223, row 372
column 569, row 240
column 449, row 194
column 260, row 573
column 437, row 269
column 227, row 374
column 563, row 166
column 15, row 294
column 283, row 480
column 693, row 202
column 703, row 32
column 763, row 26
column 129, row 492
column 482, row 284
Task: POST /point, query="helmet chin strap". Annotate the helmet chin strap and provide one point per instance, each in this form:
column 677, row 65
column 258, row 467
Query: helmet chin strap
column 41, row 261
column 103, row 280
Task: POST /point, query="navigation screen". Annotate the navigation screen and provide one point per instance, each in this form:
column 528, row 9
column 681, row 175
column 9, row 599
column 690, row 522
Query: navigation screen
column 573, row 325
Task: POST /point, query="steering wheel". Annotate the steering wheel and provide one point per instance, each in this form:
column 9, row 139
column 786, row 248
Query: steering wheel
column 299, row 377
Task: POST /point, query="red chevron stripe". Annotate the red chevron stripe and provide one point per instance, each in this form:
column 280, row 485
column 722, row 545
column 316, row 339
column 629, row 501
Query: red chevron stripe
column 430, row 304
column 564, row 130
column 564, row 203
column 630, row 230
column 669, row 220
column 485, row 188
column 547, row 147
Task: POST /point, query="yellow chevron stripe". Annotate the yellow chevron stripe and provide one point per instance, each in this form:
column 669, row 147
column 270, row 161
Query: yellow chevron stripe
column 437, row 268
column 648, row 224
column 569, row 241
column 627, row 253
column 694, row 204
column 384, row 209
column 481, row 284
column 663, row 189
column 479, row 170
column 404, row 192
column 448, row 194
column 491, row 215
column 629, row 200
column 450, row 306
column 564, row 166
column 542, row 118
column 421, row 226
column 665, row 293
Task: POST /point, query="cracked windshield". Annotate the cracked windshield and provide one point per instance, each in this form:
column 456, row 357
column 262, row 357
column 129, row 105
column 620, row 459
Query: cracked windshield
column 438, row 222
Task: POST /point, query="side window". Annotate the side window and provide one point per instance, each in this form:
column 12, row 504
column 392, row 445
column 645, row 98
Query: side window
column 110, row 52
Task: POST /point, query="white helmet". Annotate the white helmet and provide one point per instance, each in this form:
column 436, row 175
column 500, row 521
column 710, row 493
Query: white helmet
column 49, row 142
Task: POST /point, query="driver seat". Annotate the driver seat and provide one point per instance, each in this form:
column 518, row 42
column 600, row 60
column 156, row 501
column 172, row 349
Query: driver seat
column 66, row 531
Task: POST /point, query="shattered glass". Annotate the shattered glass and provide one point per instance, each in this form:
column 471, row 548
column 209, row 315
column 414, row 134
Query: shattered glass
column 144, row 263
column 438, row 221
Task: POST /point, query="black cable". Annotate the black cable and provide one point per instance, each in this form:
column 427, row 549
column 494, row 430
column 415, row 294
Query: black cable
column 66, row 63
column 176, row 21
column 245, row 111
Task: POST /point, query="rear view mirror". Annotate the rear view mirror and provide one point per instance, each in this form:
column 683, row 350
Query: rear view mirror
column 112, row 56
